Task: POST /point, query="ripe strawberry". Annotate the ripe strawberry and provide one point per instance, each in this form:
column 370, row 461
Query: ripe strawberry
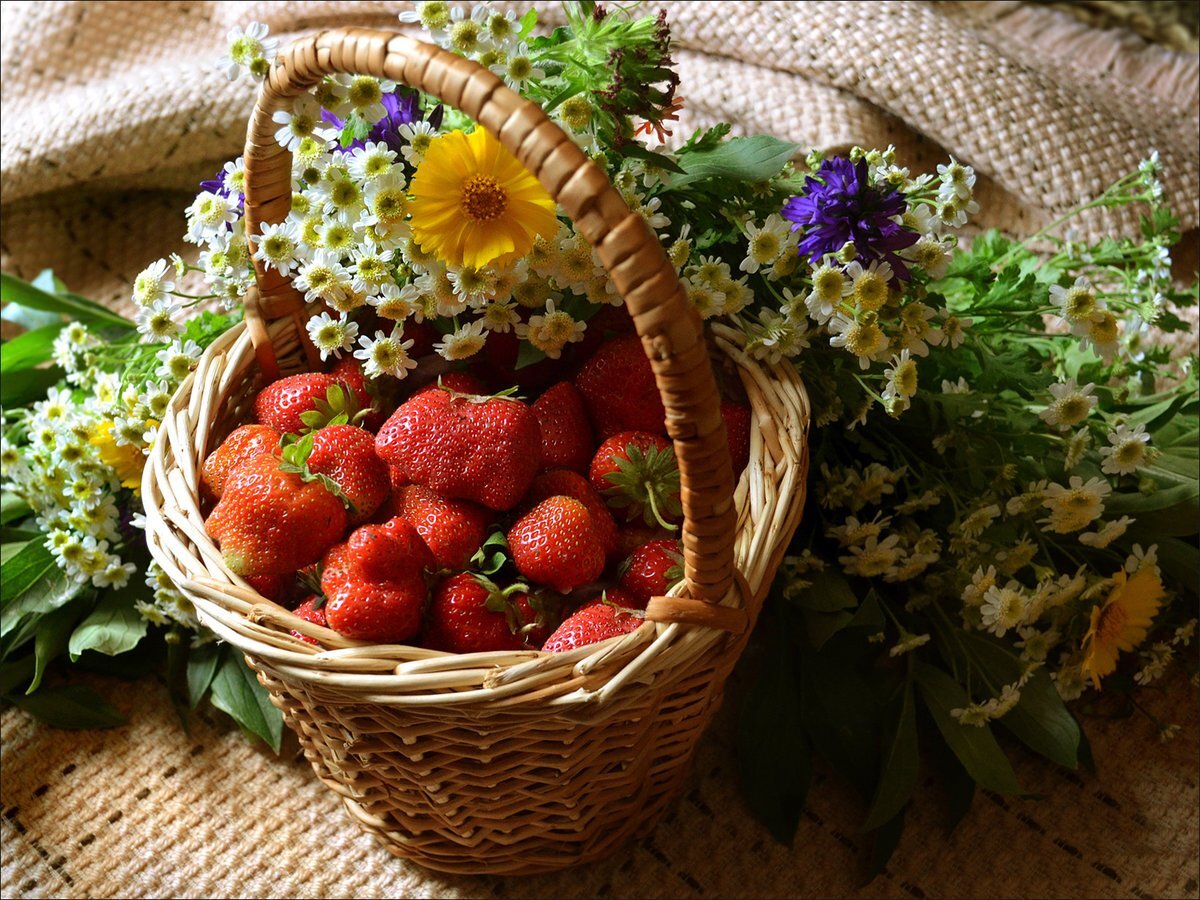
column 651, row 570
column 566, row 435
column 565, row 483
column 605, row 617
column 243, row 443
column 463, row 382
column 270, row 522
column 274, row 587
column 464, row 446
column 556, row 543
column 471, row 614
column 636, row 472
column 348, row 371
column 310, row 611
column 453, row 529
column 281, row 403
column 619, row 390
column 633, row 534
column 737, row 431
column 375, row 583
column 346, row 455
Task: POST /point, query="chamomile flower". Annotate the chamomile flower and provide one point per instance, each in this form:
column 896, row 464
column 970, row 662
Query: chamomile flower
column 385, row 354
column 209, row 215
column 869, row 286
column 251, row 50
column 158, row 322
column 1071, row 405
column 499, row 315
column 472, row 285
column 873, row 558
column 433, row 16
column 296, row 124
column 395, row 302
column 279, row 246
column 462, row 343
column 764, row 242
column 1075, row 506
column 1126, row 450
column 931, row 254
column 1077, row 303
column 466, row 35
column 977, row 521
column 371, row 270
column 417, row 137
column 775, row 337
column 177, row 360
column 707, row 301
column 371, row 161
column 982, row 581
column 363, row 94
column 323, row 277
column 151, row 284
column 901, row 376
column 1141, row 559
column 342, row 198
column 863, row 338
column 552, row 330
column 518, row 69
column 1108, row 533
column 331, row 336
column 829, row 287
column 1003, row 608
column 957, row 179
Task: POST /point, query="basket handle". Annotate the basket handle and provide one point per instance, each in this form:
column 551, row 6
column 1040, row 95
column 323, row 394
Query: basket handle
column 671, row 330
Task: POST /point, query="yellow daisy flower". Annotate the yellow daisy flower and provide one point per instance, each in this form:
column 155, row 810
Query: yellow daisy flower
column 125, row 459
column 1121, row 622
column 474, row 203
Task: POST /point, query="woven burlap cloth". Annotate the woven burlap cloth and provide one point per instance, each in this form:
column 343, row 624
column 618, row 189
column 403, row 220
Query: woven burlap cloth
column 111, row 114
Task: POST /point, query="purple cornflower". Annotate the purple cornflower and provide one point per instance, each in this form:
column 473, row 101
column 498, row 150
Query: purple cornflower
column 840, row 205
column 402, row 109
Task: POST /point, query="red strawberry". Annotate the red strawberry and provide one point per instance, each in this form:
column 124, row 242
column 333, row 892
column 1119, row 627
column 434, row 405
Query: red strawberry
column 346, row 455
column 270, row 522
column 242, row 444
column 348, row 371
column 375, row 583
column 609, row 321
column 619, row 389
column 636, row 472
column 309, row 611
column 463, row 382
column 651, row 570
column 556, row 543
column 453, row 529
column 633, row 534
column 737, row 432
column 565, row 483
column 464, row 446
column 471, row 614
column 595, row 621
column 273, row 587
column 566, row 435
column 281, row 403
column 499, row 358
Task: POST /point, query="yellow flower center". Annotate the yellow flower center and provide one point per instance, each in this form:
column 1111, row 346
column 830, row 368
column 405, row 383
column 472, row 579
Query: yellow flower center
column 1080, row 303
column 1104, row 328
column 870, row 290
column 1072, row 409
column 863, row 339
column 483, row 199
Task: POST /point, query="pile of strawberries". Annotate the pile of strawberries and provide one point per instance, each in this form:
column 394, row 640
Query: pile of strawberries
column 466, row 520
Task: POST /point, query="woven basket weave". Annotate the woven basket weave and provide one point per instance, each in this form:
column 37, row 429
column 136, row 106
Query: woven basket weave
column 511, row 762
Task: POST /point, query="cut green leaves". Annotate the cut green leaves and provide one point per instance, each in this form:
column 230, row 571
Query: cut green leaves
column 235, row 690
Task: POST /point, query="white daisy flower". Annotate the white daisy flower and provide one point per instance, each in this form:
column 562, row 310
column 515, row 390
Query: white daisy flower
column 433, row 16
column 957, row 178
column 386, row 202
column 371, row 161
column 372, row 269
column 279, row 246
column 208, row 215
column 417, row 136
column 462, row 343
column 473, row 286
column 466, row 35
column 901, row 376
column 151, row 285
column 178, row 360
column 869, row 286
column 954, row 329
column 499, row 315
column 303, row 120
column 323, row 277
column 518, row 69
column 551, row 331
column 1076, row 506
column 1127, row 450
column 873, row 558
column 1101, row 332
column 1078, row 302
column 364, row 95
column 1003, row 608
column 1108, row 533
column 244, row 48
column 385, row 354
column 864, row 340
column 158, row 322
column 1072, row 404
column 331, row 336
column 764, row 242
column 829, row 287
column 982, row 581
column 395, row 302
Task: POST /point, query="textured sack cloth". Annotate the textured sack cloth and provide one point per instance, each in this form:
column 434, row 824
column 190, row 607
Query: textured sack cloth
column 113, row 112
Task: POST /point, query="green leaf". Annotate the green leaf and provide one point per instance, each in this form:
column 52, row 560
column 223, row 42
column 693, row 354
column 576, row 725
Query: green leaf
column 15, row 673
column 829, row 592
column 71, row 706
column 975, row 748
column 32, row 563
column 527, row 355
column 901, row 763
column 741, row 159
column 27, row 385
column 14, row 290
column 774, row 759
column 492, row 554
column 12, row 508
column 658, row 160
column 114, row 626
column 887, row 838
column 29, row 349
column 18, row 535
column 1040, row 720
column 527, row 22
column 51, row 639
column 202, row 664
column 236, row 691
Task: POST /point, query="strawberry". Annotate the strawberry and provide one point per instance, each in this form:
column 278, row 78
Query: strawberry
column 375, row 583
column 566, row 435
column 270, row 522
column 464, row 446
column 463, row 382
column 651, row 570
column 607, row 616
column 556, row 543
column 619, row 389
column 348, row 371
column 281, row 403
column 737, row 432
column 311, row 610
column 499, row 358
column 346, row 455
column 471, row 614
column 242, row 444
column 453, row 529
column 565, row 483
column 635, row 471
column 633, row 534
column 273, row 587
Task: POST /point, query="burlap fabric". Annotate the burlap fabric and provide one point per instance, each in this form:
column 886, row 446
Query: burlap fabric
column 111, row 114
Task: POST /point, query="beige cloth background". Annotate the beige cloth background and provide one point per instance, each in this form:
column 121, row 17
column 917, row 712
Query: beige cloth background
column 111, row 114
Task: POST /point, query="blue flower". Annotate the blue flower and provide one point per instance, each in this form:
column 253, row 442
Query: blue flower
column 839, row 205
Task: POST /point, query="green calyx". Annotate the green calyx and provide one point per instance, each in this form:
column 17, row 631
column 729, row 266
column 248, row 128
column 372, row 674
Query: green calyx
column 636, row 613
column 340, row 407
column 503, row 600
column 506, row 394
column 295, row 451
column 647, row 484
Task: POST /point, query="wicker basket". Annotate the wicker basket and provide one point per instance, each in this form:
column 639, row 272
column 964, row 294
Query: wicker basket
column 512, row 762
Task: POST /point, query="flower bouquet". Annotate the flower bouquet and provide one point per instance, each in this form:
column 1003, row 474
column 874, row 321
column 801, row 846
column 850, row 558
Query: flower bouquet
column 999, row 539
